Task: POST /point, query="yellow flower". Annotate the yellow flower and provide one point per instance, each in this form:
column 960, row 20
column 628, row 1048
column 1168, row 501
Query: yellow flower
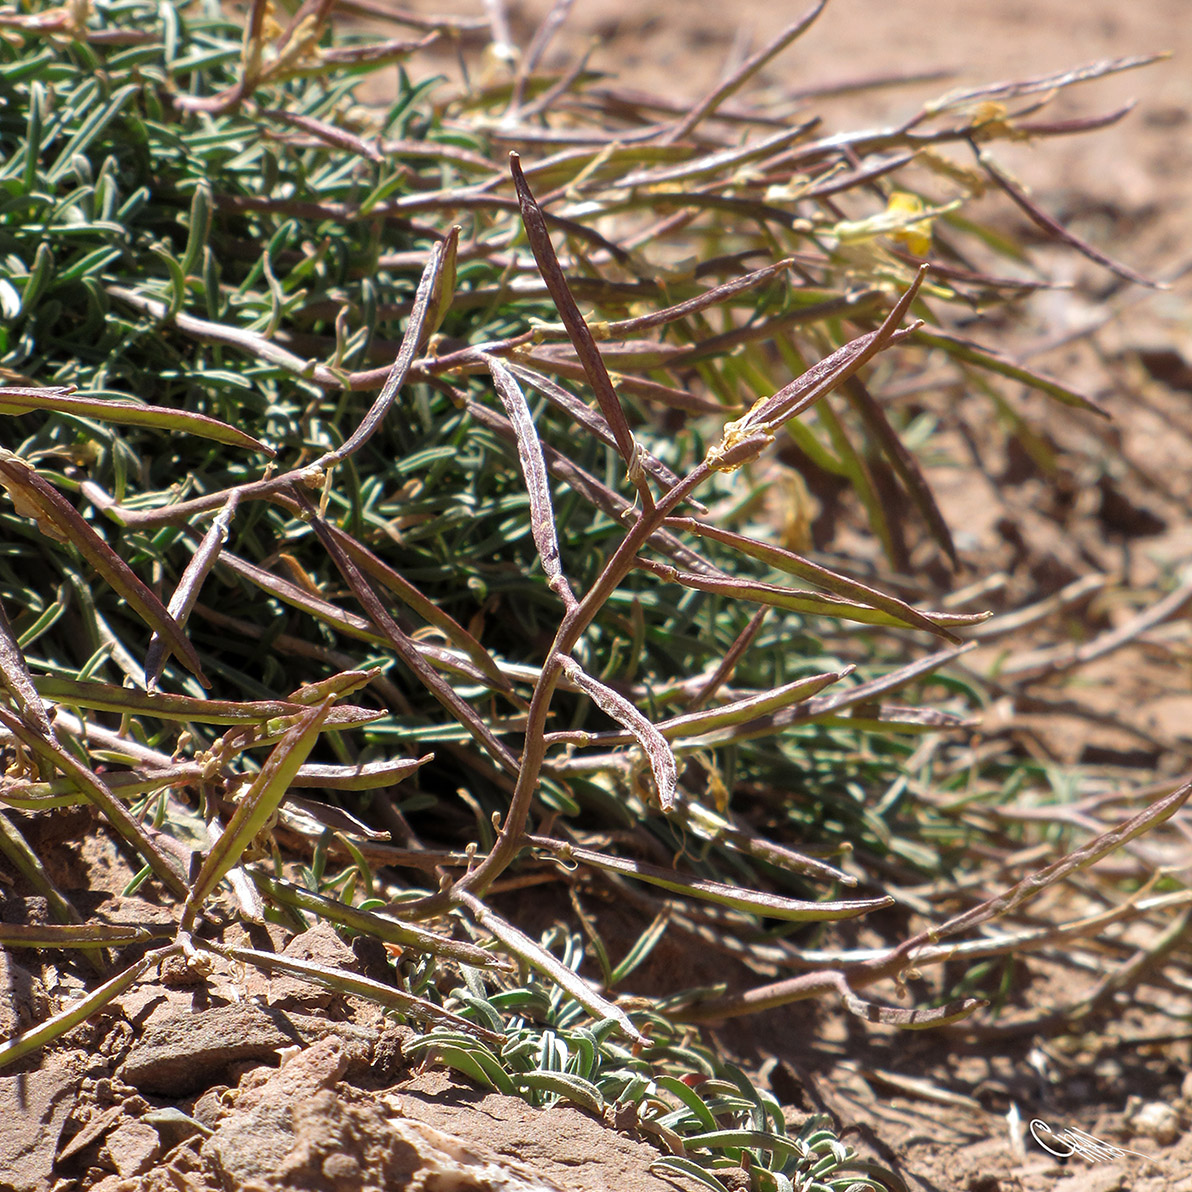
column 916, row 235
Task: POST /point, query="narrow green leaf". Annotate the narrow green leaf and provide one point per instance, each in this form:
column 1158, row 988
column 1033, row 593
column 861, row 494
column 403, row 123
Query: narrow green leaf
column 177, row 280
column 752, row 1094
column 806, row 602
column 567, row 1086
column 718, row 1140
column 89, row 264
column 257, row 805
column 443, row 289
column 693, row 724
column 14, row 674
column 127, row 413
column 343, row 982
column 690, row 1098
column 33, row 134
column 39, row 277
column 98, row 117
column 108, row 697
column 381, row 927
column 59, row 519
column 642, row 947
column 75, row 935
column 198, row 227
column 969, row 352
column 755, row 902
column 539, row 959
column 475, row 1062
column 80, row 1011
column 689, row 1168
column 63, row 792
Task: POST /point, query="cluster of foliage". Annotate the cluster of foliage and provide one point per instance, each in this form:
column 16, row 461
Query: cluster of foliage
column 301, row 409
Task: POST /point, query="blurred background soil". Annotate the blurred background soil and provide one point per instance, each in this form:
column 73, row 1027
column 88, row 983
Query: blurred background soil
column 1138, row 174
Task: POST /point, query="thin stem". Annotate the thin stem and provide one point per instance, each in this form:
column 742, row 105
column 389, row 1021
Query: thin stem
column 575, row 621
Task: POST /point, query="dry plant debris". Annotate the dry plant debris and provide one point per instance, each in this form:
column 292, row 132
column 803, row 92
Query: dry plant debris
column 391, row 453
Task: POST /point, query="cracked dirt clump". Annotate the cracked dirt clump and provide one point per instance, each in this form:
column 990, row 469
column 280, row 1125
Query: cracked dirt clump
column 302, row 1127
column 293, row 1129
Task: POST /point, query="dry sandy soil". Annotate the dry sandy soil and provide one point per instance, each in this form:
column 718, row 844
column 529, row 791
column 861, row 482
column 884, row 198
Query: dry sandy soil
column 330, row 1116
column 1142, row 167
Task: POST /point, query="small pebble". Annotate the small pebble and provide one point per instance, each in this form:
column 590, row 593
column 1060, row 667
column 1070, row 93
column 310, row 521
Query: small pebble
column 1157, row 1120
